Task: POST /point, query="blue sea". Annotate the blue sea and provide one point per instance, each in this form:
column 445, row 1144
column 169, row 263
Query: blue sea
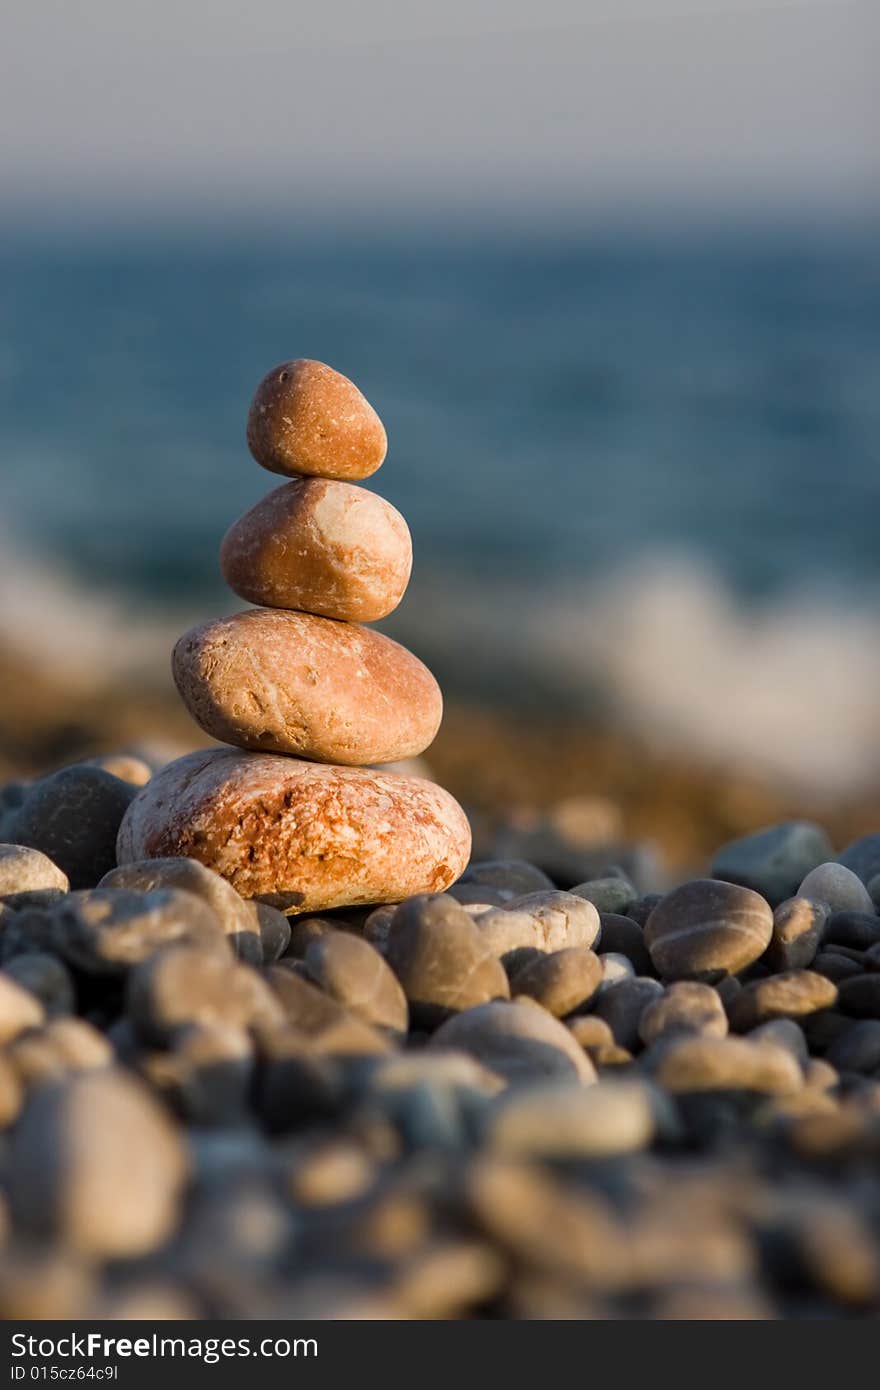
column 640, row 469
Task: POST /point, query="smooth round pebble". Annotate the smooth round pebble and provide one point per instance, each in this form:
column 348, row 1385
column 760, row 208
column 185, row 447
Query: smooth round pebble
column 441, row 959
column 518, row 1041
column 857, row 1048
column 514, row 877
column 73, row 817
column 622, row 1005
column 300, row 834
column 857, row 930
column 352, row 971
column 615, row 967
column 26, row 872
column 274, row 929
column 725, row 1064
column 685, row 1007
column 307, row 418
column 773, row 861
column 283, row 682
column 792, row 994
column 837, row 886
column 548, row 920
column 560, row 981
column 706, row 929
column 96, row 1163
column 612, row 894
column 622, row 936
column 321, row 547
column 862, row 857
column 590, row 1032
column 564, row 1121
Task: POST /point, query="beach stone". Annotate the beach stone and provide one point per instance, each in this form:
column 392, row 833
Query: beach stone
column 835, row 966
column 622, row 1006
column 857, row 1048
column 684, row 1007
column 274, row 929
column 706, row 929
column 615, row 967
column 608, row 895
column 305, row 930
column 352, row 971
column 306, row 418
column 548, row 920
column 514, row 877
column 299, row 834
column 792, row 994
column 73, row 817
column 862, row 857
column 183, row 985
column 62, row 1046
column 823, row 1028
column 623, row 936
column 477, row 897
column 321, row 547
column 798, row 930
column 724, row 1064
column 26, row 874
column 561, row 1121
column 238, row 919
column 19, row 1009
column 96, row 1164
column 857, row 930
column 441, row 959
column 282, row 682
column 837, row 886
column 560, row 981
column 773, row 861
column 105, row 931
column 860, row 996
column 518, row 1041
column 47, row 978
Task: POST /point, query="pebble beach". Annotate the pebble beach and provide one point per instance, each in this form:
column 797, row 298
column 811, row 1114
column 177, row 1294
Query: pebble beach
column 314, row 1021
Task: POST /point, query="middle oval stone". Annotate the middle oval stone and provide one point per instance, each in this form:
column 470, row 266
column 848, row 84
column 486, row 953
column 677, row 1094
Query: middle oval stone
column 321, row 546
column 295, row 683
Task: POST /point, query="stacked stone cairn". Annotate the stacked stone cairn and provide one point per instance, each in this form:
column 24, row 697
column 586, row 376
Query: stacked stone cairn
column 298, row 812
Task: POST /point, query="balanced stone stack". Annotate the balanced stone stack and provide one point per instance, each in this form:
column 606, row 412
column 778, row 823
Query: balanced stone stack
column 299, row 811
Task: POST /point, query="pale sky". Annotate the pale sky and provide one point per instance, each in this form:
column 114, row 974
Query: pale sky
column 264, row 104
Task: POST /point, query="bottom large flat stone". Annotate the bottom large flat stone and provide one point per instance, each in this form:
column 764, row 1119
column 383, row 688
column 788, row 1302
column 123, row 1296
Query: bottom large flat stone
column 304, row 835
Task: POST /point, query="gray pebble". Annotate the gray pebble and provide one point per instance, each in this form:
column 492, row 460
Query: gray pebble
column 773, row 861
column 858, row 930
column 73, row 816
column 862, row 856
column 834, row 965
column 783, row 1032
column 613, row 894
column 96, row 1164
column 518, row 1041
column 860, row 996
column 560, row 981
column 624, row 937
column 441, row 959
column 514, row 877
column 622, row 1005
column 351, row 970
column 549, row 921
column 274, row 929
column 706, row 929
column 857, row 1048
column 837, row 886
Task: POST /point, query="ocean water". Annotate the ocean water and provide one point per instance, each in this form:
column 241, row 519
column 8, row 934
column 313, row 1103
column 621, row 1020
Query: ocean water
column 642, row 472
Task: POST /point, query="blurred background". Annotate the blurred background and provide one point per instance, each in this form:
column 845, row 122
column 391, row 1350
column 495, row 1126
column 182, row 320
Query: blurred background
column 609, row 272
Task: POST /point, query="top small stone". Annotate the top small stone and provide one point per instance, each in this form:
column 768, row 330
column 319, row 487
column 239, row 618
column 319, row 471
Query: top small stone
column 307, row 419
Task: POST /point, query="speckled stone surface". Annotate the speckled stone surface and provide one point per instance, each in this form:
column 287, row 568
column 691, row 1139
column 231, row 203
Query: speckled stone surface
column 307, row 418
column 303, row 835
